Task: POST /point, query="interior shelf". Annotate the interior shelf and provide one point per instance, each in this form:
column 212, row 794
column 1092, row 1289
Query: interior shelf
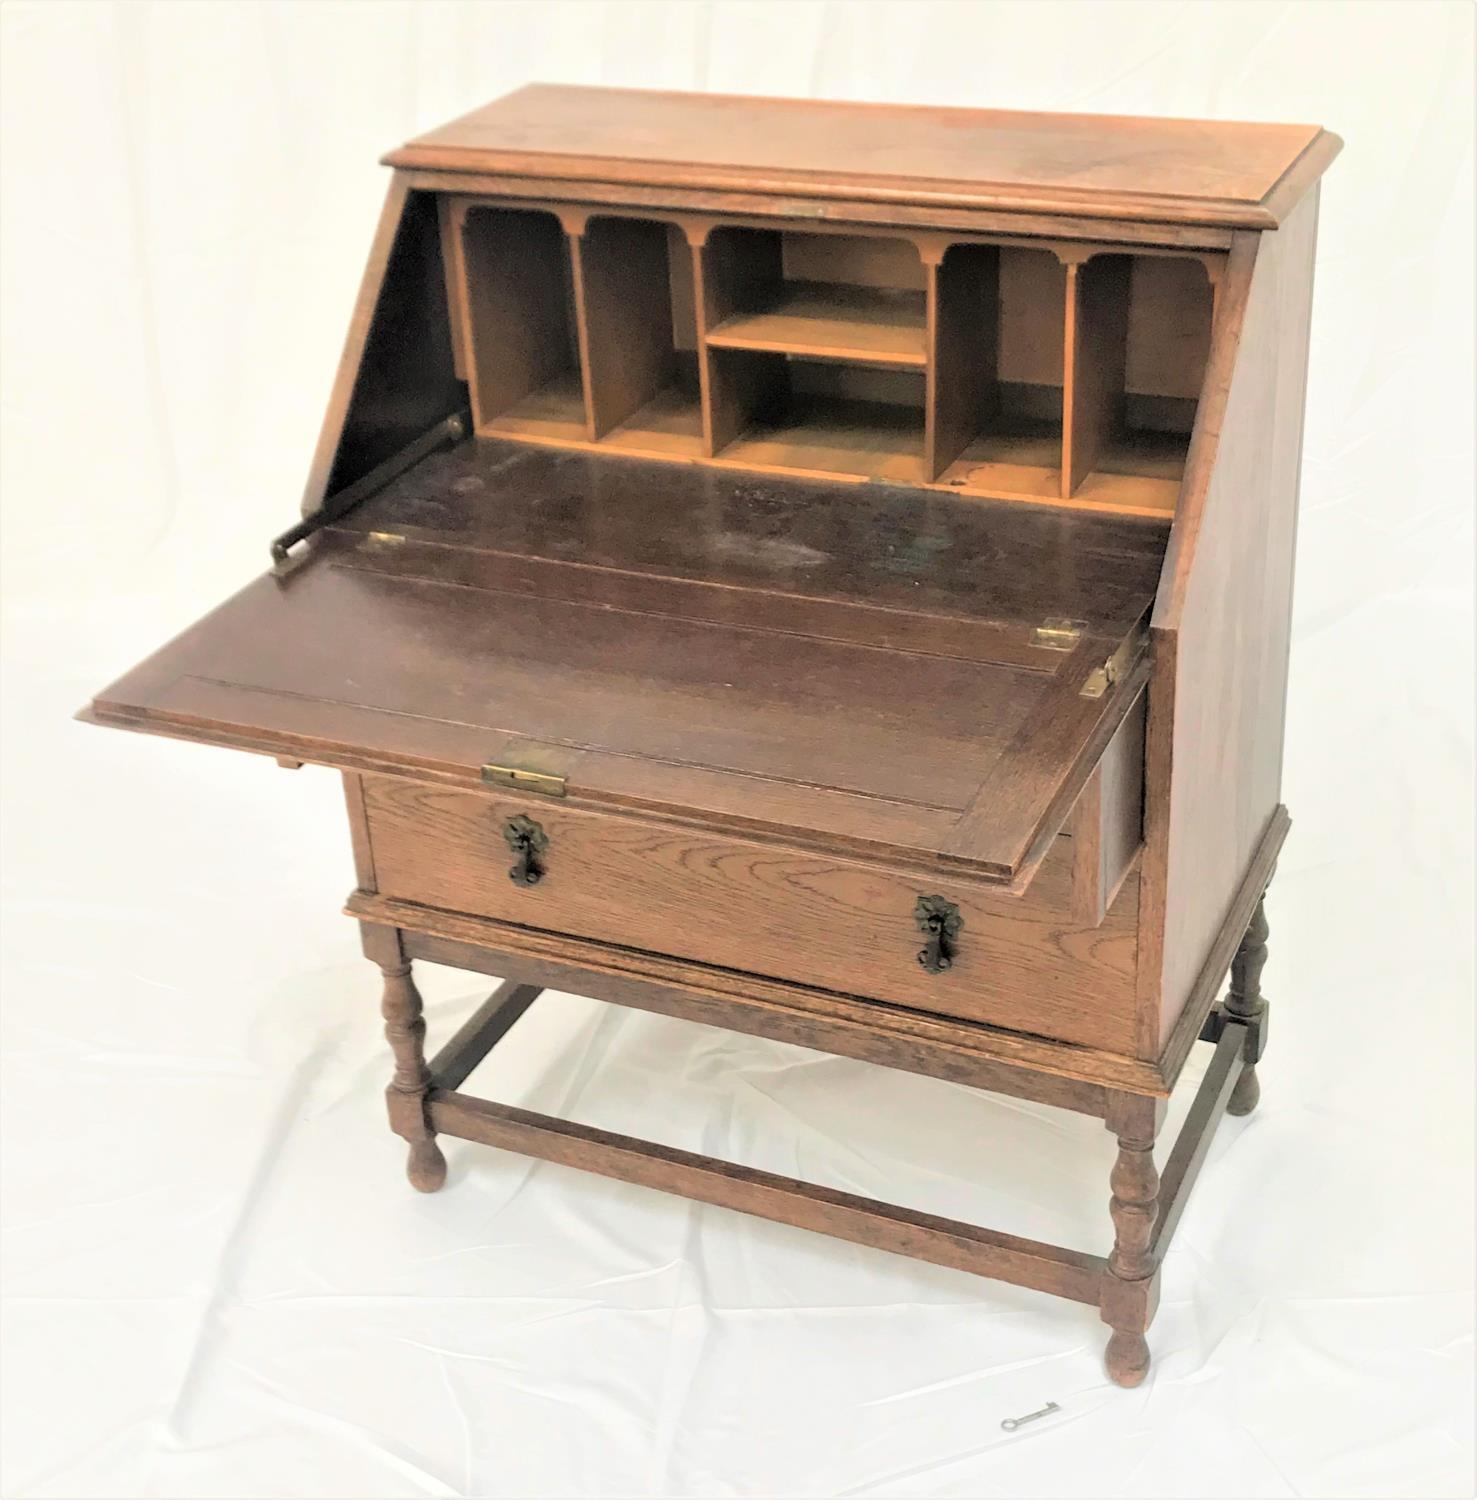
column 863, row 325
column 1035, row 372
column 835, row 436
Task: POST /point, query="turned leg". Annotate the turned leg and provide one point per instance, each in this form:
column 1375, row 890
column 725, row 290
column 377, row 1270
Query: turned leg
column 1130, row 1291
column 405, row 1027
column 1244, row 1002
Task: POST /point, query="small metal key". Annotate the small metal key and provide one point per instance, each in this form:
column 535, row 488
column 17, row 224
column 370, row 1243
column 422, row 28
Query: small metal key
column 1011, row 1423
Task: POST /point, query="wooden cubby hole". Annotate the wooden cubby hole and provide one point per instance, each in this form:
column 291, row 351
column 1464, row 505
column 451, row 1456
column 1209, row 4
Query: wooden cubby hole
column 1137, row 340
column 997, row 354
column 1048, row 371
column 815, row 352
column 513, row 295
column 635, row 297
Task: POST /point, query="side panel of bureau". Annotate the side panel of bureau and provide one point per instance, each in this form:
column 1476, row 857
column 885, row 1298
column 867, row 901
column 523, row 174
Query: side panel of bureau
column 1222, row 625
column 1026, row 963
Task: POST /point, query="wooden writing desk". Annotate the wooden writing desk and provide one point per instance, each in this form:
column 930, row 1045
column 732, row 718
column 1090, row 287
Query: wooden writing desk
column 820, row 570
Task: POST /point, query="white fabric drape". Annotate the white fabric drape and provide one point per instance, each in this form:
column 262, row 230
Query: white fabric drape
column 218, row 1283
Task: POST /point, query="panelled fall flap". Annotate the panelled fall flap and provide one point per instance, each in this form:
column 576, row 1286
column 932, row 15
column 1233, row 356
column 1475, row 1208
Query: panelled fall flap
column 780, row 657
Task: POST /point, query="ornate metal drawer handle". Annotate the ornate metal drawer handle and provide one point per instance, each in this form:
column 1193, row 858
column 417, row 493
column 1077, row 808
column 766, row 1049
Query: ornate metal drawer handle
column 939, row 921
column 528, row 841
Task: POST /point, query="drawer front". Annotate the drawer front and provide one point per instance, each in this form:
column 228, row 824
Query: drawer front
column 1027, row 963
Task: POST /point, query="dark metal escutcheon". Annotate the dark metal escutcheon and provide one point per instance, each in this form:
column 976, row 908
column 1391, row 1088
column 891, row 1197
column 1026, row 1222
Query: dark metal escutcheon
column 939, row 921
column 528, row 841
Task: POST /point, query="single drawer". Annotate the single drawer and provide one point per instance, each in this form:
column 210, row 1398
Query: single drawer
column 1034, row 962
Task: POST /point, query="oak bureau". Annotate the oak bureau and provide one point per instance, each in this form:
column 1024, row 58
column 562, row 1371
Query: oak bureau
column 819, row 570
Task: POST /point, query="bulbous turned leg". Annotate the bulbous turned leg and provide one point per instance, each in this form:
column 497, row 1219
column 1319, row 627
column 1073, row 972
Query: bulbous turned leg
column 1131, row 1283
column 405, row 1028
column 425, row 1166
column 1126, row 1358
column 1244, row 1001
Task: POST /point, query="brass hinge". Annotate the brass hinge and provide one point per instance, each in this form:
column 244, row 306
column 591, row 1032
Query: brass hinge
column 1056, row 634
column 523, row 780
column 1100, row 679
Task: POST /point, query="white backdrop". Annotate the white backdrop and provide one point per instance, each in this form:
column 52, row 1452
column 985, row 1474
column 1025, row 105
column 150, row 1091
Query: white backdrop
column 217, row 1281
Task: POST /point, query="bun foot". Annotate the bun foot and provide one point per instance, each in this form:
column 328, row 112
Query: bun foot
column 1127, row 1358
column 426, row 1167
column 1246, row 1094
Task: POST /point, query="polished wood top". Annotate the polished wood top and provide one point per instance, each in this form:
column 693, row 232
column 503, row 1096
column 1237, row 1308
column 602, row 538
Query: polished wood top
column 844, row 666
column 1177, row 171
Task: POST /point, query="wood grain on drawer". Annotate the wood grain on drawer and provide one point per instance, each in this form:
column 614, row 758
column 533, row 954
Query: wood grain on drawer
column 1023, row 962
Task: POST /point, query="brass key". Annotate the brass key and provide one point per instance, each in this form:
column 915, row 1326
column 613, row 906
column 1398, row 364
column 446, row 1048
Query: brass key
column 1011, row 1423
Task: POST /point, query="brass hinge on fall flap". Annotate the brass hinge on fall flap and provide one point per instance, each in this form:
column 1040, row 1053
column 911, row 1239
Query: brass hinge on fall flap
column 1057, row 634
column 1100, row 679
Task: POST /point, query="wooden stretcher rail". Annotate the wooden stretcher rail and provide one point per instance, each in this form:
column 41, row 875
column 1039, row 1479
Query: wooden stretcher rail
column 944, row 1242
column 482, row 1031
column 1196, row 1134
column 863, row 1221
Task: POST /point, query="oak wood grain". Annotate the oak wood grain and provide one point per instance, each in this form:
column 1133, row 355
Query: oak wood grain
column 832, row 322
column 892, row 214
column 1091, row 165
column 1170, row 313
column 1202, row 997
column 397, row 375
column 480, row 1033
column 514, row 263
column 371, row 286
column 886, row 1035
column 626, row 306
column 863, row 1221
column 963, row 352
column 677, row 678
column 1220, row 690
column 606, row 971
column 1004, row 351
column 1107, row 823
column 1022, row 963
column 1196, row 1134
column 359, row 831
column 1096, row 346
column 812, row 377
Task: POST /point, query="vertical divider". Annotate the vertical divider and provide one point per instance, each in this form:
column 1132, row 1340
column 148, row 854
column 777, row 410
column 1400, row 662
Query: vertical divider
column 963, row 332
column 1069, row 380
column 698, row 232
column 932, row 254
column 574, row 222
column 449, row 214
column 1215, row 266
column 624, row 301
column 1095, row 351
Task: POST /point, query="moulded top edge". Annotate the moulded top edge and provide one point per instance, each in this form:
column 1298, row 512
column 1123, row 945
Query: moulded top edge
column 1213, row 173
